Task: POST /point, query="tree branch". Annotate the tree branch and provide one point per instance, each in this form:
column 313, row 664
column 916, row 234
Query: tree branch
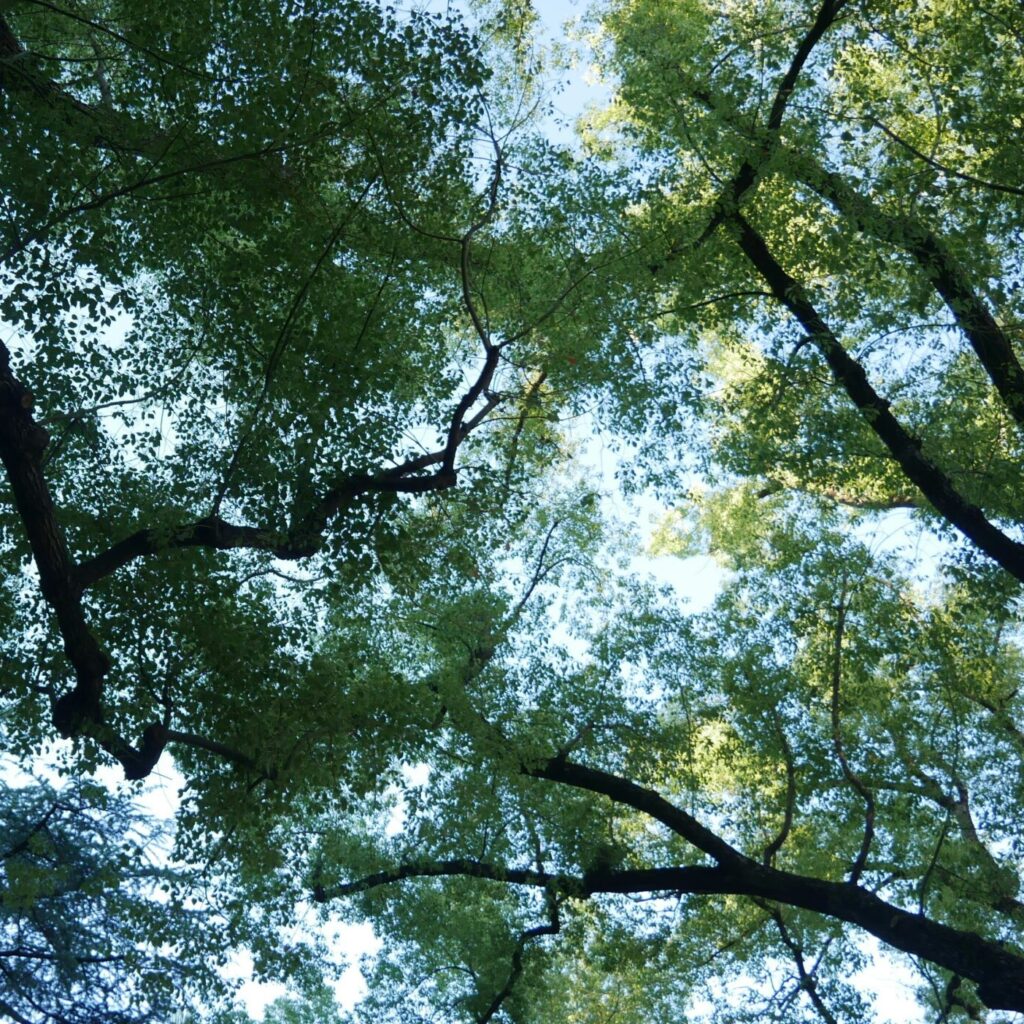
column 837, row 741
column 22, row 443
column 553, row 927
column 623, row 791
column 950, row 280
column 280, row 344
column 772, row 849
column 807, row 981
column 933, row 483
column 999, row 896
column 840, row 497
column 729, row 202
column 951, row 172
column 998, row 972
column 305, row 535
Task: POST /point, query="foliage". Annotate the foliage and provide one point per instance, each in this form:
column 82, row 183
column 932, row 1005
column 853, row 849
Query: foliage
column 96, row 924
column 303, row 308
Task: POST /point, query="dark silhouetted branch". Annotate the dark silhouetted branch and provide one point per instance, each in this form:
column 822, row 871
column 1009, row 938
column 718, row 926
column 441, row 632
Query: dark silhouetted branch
column 906, row 450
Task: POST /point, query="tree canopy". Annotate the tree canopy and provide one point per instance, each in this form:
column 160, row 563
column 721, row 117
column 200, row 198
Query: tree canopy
column 310, row 327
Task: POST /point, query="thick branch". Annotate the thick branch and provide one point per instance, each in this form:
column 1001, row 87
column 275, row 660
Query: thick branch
column 825, row 18
column 623, row 791
column 211, row 532
column 906, row 450
column 301, row 541
column 989, row 341
column 81, row 710
column 746, row 176
column 998, row 972
column 22, row 443
column 222, row 750
column 950, row 280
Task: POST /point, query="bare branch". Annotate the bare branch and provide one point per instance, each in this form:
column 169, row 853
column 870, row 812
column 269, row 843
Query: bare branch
column 807, row 981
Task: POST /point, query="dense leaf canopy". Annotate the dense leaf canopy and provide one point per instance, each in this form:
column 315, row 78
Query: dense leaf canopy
column 310, row 334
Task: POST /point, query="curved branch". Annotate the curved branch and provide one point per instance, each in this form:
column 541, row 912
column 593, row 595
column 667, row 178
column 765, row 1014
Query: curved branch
column 998, row 972
column 22, row 444
column 553, row 927
column 995, row 186
column 623, row 791
column 772, row 849
column 837, row 742
column 304, row 536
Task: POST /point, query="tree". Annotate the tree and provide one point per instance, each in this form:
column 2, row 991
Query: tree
column 92, row 917
column 315, row 521
column 319, row 1007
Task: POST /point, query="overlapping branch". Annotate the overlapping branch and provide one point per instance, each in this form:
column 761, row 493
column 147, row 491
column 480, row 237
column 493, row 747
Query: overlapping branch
column 553, row 927
column 933, row 483
column 22, row 445
column 998, row 972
